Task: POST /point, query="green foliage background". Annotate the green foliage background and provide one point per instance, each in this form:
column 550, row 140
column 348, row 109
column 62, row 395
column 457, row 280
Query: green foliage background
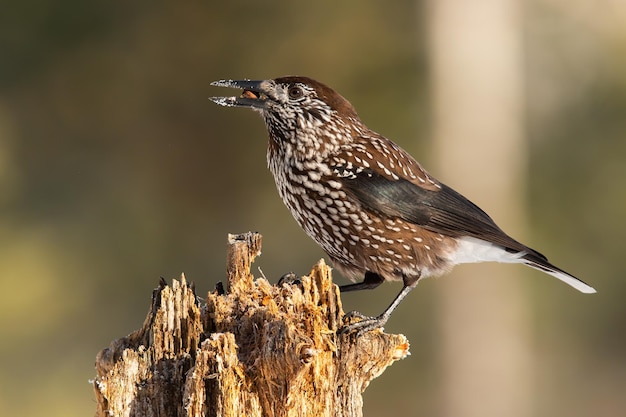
column 115, row 169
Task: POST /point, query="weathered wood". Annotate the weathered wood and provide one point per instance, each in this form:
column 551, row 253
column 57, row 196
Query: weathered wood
column 258, row 350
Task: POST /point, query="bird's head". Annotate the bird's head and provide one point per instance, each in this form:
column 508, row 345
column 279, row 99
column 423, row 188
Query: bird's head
column 297, row 110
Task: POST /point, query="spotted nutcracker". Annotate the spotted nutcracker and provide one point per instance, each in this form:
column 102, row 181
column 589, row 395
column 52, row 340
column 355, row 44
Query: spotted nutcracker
column 372, row 207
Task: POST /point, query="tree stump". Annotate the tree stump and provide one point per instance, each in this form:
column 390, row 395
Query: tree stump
column 257, row 350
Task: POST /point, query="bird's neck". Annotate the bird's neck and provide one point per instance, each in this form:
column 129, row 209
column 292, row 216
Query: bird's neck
column 293, row 143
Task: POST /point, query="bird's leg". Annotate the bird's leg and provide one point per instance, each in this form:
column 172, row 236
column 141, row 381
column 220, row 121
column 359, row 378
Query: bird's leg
column 370, row 323
column 370, row 281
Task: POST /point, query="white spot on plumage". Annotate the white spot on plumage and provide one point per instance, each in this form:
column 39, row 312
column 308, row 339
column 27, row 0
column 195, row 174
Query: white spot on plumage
column 354, row 217
column 334, row 184
column 339, row 236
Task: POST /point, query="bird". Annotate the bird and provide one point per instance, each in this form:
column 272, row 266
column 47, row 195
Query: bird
column 374, row 210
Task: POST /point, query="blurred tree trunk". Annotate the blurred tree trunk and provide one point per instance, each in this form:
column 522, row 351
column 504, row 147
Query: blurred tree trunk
column 477, row 70
column 260, row 350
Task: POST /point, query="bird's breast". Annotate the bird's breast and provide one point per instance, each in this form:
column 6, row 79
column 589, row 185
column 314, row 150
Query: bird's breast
column 356, row 239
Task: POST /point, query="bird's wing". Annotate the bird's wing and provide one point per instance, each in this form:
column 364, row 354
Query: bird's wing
column 416, row 197
column 423, row 201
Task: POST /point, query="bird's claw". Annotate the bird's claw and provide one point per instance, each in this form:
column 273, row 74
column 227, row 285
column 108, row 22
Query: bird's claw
column 365, row 324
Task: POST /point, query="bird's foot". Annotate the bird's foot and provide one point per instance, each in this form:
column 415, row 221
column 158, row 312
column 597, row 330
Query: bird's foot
column 365, row 323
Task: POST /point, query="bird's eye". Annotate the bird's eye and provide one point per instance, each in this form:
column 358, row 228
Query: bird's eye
column 295, row 92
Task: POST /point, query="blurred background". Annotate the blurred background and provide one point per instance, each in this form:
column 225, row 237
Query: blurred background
column 115, row 170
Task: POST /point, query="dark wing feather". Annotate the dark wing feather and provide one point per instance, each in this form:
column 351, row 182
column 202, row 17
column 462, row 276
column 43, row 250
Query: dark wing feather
column 441, row 211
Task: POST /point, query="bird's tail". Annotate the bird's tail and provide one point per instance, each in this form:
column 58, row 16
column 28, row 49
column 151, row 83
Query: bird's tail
column 543, row 265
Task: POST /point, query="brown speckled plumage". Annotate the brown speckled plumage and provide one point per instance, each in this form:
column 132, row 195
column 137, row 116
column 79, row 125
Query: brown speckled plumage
column 372, row 208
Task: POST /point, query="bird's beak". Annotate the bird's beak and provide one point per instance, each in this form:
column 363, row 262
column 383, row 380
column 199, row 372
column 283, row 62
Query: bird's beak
column 254, row 93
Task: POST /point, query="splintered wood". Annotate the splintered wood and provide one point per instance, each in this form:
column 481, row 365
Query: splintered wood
column 257, row 350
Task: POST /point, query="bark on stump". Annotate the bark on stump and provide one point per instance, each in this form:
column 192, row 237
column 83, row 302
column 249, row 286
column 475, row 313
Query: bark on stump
column 258, row 350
